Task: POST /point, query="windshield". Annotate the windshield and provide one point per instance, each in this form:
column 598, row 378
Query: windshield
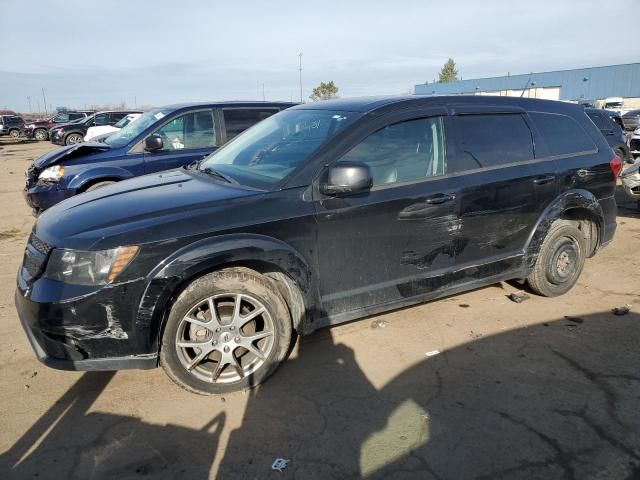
column 124, row 121
column 133, row 129
column 266, row 153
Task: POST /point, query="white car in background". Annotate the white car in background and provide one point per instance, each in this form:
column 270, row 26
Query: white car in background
column 105, row 129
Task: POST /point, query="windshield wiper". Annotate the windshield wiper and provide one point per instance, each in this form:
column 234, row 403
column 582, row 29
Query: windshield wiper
column 217, row 174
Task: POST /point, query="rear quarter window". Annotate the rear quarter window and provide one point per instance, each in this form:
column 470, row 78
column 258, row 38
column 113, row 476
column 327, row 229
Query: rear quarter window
column 601, row 122
column 562, row 134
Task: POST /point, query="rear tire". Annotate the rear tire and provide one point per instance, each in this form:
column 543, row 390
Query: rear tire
column 73, row 138
column 218, row 361
column 98, row 185
column 560, row 260
column 14, row 133
column 40, row 135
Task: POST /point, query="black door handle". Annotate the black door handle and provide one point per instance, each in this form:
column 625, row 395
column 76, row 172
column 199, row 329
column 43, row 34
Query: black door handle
column 438, row 199
column 544, row 180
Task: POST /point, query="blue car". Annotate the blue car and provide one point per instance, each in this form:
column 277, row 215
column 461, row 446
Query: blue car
column 161, row 139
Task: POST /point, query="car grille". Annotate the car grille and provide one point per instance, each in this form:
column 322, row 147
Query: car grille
column 35, row 257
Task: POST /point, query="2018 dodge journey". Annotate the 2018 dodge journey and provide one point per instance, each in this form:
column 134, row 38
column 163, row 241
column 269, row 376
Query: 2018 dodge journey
column 320, row 214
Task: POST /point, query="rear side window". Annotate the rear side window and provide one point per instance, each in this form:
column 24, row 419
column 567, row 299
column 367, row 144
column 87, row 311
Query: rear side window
column 562, row 134
column 492, row 140
column 237, row 120
column 601, row 122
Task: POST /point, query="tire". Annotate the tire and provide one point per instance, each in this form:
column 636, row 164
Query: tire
column 560, row 260
column 14, row 133
column 41, row 135
column 208, row 369
column 98, row 185
column 73, row 138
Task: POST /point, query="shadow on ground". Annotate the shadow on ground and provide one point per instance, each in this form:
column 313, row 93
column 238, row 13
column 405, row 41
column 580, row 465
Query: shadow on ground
column 554, row 400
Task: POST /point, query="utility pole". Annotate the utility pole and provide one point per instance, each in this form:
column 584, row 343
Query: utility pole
column 300, row 69
column 45, row 101
column 38, row 102
column 29, row 100
column 263, row 97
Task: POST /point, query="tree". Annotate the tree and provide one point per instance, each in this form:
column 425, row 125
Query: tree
column 448, row 72
column 325, row 91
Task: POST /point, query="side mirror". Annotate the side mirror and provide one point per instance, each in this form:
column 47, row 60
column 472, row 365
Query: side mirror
column 153, row 143
column 347, row 177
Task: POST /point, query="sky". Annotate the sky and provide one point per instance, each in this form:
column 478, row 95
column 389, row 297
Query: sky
column 157, row 52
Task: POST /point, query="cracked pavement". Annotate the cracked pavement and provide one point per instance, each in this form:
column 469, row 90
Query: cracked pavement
column 517, row 391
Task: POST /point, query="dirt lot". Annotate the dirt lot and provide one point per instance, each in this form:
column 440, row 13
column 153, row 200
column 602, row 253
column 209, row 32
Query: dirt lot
column 548, row 388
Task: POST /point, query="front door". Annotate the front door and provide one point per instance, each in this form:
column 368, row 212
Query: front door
column 185, row 138
column 398, row 240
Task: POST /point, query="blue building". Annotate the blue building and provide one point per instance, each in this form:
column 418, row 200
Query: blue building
column 592, row 85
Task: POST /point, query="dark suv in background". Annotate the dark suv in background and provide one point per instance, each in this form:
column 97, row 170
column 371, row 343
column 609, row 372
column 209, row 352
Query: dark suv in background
column 161, row 139
column 11, row 125
column 39, row 130
column 612, row 132
column 321, row 214
column 72, row 133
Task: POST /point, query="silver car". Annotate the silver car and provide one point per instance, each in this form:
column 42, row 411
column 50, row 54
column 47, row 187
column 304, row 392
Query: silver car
column 631, row 181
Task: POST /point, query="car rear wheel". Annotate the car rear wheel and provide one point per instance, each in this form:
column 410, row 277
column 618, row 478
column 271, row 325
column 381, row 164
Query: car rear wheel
column 560, row 260
column 73, row 138
column 98, row 185
column 14, row 133
column 40, row 135
column 228, row 330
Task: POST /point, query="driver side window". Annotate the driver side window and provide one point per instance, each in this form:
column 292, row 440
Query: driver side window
column 189, row 131
column 403, row 152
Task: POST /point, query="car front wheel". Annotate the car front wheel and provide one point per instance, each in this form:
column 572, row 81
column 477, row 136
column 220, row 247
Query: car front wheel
column 73, row 138
column 560, row 260
column 40, row 135
column 14, row 133
column 227, row 331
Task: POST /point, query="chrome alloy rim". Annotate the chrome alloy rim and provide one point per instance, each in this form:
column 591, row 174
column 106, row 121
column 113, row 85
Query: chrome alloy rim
column 225, row 338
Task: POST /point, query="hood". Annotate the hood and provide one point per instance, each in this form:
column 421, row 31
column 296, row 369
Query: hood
column 144, row 209
column 69, row 152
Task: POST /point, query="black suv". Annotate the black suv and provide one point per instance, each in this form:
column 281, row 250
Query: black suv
column 11, row 125
column 613, row 133
column 72, row 133
column 320, row 214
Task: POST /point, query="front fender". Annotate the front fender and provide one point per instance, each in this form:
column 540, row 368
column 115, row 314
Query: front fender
column 206, row 255
column 91, row 174
column 569, row 200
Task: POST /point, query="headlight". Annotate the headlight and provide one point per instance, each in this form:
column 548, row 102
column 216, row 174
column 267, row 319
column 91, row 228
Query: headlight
column 52, row 174
column 88, row 268
column 31, row 125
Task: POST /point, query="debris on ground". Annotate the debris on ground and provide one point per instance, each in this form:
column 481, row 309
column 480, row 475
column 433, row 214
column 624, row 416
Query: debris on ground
column 623, row 310
column 432, row 353
column 26, row 386
column 425, row 415
column 475, row 334
column 464, row 305
column 377, row 324
column 574, row 319
column 279, row 464
column 518, row 297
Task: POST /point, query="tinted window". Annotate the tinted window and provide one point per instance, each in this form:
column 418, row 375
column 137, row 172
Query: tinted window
column 237, row 120
column 601, row 122
column 101, row 119
column 490, row 140
column 189, row 131
column 116, row 117
column 562, row 134
column 403, row 151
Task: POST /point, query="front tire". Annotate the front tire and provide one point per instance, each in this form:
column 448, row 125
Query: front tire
column 14, row 133
column 560, row 260
column 40, row 135
column 227, row 331
column 73, row 138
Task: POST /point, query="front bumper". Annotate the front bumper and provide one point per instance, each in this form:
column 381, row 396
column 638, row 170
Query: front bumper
column 94, row 331
column 42, row 196
column 56, row 137
column 631, row 184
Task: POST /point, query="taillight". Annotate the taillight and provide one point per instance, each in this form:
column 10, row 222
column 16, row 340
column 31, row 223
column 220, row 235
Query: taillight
column 616, row 165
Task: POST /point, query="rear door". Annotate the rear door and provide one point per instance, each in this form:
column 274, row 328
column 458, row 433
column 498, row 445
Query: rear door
column 237, row 119
column 186, row 138
column 504, row 189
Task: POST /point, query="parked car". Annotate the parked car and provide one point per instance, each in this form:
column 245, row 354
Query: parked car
column 630, row 177
column 161, row 139
column 39, row 130
column 634, row 142
column 11, row 125
column 631, row 120
column 72, row 133
column 323, row 213
column 98, row 131
column 613, row 134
